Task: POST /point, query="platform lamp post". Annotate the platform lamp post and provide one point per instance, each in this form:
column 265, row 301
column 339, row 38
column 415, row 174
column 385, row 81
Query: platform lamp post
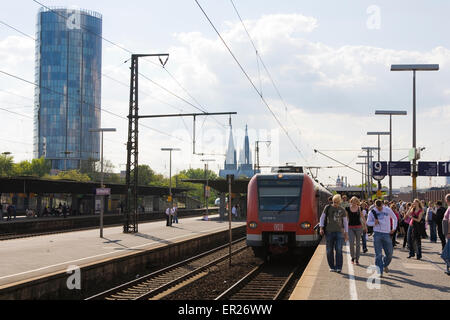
column 378, row 133
column 366, row 174
column 101, row 130
column 369, row 167
column 390, row 113
column 414, row 68
column 170, row 178
column 205, row 217
column 363, row 164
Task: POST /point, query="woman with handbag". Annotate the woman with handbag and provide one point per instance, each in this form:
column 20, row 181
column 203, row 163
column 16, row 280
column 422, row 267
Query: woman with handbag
column 414, row 231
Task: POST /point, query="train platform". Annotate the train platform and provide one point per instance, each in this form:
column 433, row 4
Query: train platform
column 407, row 279
column 31, row 258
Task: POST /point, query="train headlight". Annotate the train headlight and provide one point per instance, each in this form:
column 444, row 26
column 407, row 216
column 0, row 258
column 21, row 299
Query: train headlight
column 252, row 225
column 305, row 225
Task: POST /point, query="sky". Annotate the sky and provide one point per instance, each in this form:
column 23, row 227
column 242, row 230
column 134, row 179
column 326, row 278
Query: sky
column 330, row 61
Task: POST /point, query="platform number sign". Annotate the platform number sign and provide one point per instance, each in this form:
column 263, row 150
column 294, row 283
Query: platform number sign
column 444, row 169
column 379, row 168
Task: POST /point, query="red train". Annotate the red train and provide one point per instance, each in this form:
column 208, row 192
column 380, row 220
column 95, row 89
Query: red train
column 282, row 211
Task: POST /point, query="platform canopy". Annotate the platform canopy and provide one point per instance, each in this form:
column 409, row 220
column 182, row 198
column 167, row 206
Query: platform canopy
column 47, row 186
column 221, row 185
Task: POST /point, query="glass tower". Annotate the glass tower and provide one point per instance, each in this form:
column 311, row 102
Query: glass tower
column 68, row 91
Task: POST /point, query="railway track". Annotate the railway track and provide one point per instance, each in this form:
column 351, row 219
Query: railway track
column 268, row 281
column 175, row 275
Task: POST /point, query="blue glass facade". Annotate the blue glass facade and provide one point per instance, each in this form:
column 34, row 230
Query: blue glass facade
column 68, row 95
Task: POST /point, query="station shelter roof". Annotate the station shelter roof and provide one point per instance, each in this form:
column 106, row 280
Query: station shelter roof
column 48, row 186
column 221, row 185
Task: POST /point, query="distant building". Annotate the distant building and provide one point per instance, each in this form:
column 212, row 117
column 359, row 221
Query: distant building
column 242, row 168
column 341, row 181
column 68, row 92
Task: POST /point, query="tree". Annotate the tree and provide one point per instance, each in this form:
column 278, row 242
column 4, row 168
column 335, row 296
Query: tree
column 41, row 166
column 70, row 175
column 145, row 175
column 23, row 168
column 6, row 165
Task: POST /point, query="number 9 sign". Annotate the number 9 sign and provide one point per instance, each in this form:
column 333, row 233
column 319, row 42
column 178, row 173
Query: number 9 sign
column 379, row 168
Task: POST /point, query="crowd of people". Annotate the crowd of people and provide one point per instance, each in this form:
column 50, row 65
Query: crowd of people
column 356, row 220
column 10, row 212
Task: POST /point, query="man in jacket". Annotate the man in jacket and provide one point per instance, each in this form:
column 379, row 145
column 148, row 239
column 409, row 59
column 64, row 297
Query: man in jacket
column 334, row 223
column 380, row 218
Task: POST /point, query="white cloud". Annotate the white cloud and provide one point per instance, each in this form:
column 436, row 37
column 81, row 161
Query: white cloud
column 331, row 93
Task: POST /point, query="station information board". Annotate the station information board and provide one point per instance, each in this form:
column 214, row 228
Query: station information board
column 400, row 168
column 444, row 168
column 428, row 168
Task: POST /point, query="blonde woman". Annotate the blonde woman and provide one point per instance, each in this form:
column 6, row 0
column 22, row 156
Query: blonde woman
column 415, row 213
column 356, row 225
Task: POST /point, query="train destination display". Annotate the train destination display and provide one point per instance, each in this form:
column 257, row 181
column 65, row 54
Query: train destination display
column 428, row 168
column 399, row 168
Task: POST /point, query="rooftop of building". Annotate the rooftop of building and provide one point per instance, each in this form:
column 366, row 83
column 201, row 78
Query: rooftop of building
column 85, row 11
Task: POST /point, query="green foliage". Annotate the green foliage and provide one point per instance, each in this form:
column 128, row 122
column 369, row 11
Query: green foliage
column 197, row 190
column 70, row 175
column 6, row 165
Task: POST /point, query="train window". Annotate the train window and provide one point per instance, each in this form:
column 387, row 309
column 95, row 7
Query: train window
column 279, row 199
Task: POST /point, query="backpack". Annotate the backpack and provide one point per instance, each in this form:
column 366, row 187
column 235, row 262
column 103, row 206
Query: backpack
column 326, row 218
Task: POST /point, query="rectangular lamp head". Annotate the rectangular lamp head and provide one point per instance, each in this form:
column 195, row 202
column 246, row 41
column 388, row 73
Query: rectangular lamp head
column 391, row 112
column 412, row 67
column 378, row 133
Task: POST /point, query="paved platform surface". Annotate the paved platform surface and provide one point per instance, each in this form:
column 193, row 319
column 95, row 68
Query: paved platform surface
column 32, row 257
column 408, row 279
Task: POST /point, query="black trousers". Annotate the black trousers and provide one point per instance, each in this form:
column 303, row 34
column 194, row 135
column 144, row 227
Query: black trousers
column 440, row 233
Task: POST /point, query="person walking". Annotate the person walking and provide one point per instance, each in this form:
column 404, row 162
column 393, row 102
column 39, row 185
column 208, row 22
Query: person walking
column 416, row 213
column 234, row 211
column 64, row 211
column 423, row 230
column 431, row 220
column 175, row 214
column 345, row 204
column 334, row 224
column 380, row 218
column 9, row 211
column 365, row 229
column 446, row 231
column 394, row 235
column 405, row 224
column 168, row 217
column 356, row 224
column 440, row 211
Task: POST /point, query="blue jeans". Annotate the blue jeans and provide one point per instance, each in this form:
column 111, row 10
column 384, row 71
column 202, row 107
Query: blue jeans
column 382, row 241
column 364, row 241
column 433, row 235
column 335, row 241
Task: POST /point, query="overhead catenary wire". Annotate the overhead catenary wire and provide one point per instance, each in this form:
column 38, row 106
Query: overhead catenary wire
column 251, row 82
column 63, row 94
column 101, row 109
column 259, row 59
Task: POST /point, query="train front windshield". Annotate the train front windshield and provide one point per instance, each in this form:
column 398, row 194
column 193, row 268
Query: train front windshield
column 279, row 199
